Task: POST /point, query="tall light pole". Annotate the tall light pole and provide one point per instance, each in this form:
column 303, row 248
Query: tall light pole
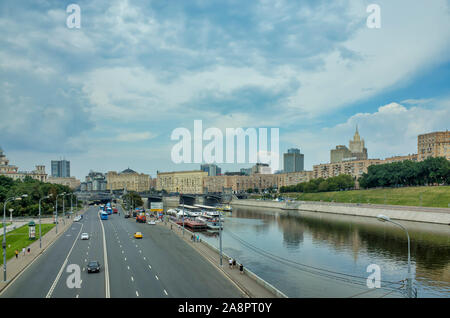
column 57, row 210
column 181, row 197
column 10, row 215
column 384, row 218
column 40, row 232
column 220, row 232
column 4, row 231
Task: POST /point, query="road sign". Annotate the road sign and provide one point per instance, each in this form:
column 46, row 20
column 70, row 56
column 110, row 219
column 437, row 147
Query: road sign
column 156, row 207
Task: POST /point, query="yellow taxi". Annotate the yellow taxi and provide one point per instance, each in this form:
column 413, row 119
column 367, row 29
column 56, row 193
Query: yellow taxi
column 138, row 235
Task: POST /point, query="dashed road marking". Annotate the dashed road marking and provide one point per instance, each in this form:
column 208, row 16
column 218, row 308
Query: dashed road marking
column 156, row 277
column 149, row 266
column 165, row 292
column 137, row 294
column 132, row 279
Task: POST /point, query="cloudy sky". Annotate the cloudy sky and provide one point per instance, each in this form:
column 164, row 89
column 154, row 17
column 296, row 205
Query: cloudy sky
column 108, row 95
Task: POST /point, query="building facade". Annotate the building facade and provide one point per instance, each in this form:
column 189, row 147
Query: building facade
column 211, row 169
column 60, row 169
column 94, row 181
column 128, row 179
column 71, row 182
column 261, row 168
column 294, row 178
column 293, row 161
column 240, row 183
column 411, row 157
column 13, row 172
column 355, row 151
column 190, row 182
column 355, row 168
column 432, row 145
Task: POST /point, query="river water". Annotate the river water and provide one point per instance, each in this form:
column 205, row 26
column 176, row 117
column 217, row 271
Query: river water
column 305, row 254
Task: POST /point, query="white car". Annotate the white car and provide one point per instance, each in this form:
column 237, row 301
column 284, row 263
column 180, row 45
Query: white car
column 77, row 218
column 151, row 222
column 84, row 236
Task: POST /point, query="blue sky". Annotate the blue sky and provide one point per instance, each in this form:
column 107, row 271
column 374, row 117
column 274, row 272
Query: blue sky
column 108, row 95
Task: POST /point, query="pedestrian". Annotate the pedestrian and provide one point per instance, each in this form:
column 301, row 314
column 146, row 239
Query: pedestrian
column 23, row 251
column 234, row 263
column 29, row 250
column 241, row 269
column 17, row 253
column 198, row 238
column 230, row 262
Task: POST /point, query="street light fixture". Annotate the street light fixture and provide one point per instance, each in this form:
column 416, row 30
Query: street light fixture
column 4, row 230
column 57, row 210
column 40, row 232
column 384, row 218
column 220, row 232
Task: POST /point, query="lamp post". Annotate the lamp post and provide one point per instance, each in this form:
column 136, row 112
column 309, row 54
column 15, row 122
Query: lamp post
column 384, row 218
column 57, row 210
column 181, row 197
column 10, row 215
column 40, row 232
column 4, row 231
column 220, row 232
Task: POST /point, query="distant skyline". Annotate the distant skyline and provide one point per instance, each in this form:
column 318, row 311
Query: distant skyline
column 108, row 95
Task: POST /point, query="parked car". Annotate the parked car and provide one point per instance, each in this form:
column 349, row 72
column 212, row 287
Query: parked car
column 138, row 235
column 84, row 236
column 93, row 267
column 151, row 222
column 126, row 216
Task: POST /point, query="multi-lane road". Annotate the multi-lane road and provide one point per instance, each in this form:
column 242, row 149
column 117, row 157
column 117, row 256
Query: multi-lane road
column 159, row 265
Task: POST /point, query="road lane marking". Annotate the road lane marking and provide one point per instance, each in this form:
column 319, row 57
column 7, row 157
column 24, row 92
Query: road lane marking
column 156, row 277
column 78, row 296
column 105, row 259
column 166, row 293
column 125, row 258
column 144, row 258
column 49, row 294
column 132, row 279
column 137, row 294
column 128, row 267
column 150, row 266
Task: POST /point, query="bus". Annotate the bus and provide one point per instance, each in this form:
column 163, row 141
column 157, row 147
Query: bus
column 104, row 215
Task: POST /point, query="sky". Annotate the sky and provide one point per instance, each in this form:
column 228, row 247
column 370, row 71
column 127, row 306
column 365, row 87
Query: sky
column 108, row 95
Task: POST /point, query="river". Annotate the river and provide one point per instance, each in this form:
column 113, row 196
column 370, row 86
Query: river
column 311, row 254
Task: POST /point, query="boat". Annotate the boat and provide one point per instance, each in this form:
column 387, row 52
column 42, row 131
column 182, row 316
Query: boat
column 211, row 221
column 224, row 208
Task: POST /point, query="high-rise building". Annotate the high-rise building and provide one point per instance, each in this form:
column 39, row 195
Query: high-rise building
column 435, row 144
column 355, row 151
column 293, row 161
column 212, row 169
column 60, row 169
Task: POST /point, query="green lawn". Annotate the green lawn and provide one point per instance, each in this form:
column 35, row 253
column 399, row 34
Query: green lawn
column 7, row 224
column 18, row 239
column 411, row 196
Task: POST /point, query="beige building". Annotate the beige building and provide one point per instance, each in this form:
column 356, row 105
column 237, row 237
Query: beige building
column 355, row 168
column 356, row 150
column 127, row 179
column 412, row 157
column 71, row 182
column 13, row 172
column 436, row 144
column 240, row 183
column 181, row 181
column 294, row 178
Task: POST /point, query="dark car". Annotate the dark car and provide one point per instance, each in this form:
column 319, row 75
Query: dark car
column 93, row 267
column 127, row 216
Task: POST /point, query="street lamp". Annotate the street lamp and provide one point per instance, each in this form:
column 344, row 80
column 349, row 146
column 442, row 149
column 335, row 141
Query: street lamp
column 57, row 210
column 10, row 215
column 384, row 218
column 220, row 232
column 181, row 197
column 40, row 232
column 4, row 231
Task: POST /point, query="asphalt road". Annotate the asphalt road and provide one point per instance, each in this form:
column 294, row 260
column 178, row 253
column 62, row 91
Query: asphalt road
column 157, row 266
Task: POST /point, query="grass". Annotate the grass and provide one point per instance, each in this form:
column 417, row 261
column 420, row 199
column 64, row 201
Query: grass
column 438, row 196
column 7, row 224
column 18, row 239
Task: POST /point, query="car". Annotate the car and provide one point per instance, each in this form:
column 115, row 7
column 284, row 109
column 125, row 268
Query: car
column 93, row 267
column 84, row 236
column 76, row 219
column 151, row 222
column 138, row 235
column 127, row 216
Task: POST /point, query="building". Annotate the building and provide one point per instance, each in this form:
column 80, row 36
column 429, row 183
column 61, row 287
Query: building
column 355, row 168
column 240, row 183
column 261, row 168
column 71, row 182
column 95, row 181
column 13, row 172
column 411, row 157
column 128, row 179
column 293, row 161
column 355, row 151
column 190, row 182
column 60, row 169
column 432, row 145
column 212, row 169
column 294, row 178
column 246, row 171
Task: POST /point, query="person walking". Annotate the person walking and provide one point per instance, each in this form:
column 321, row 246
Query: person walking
column 230, row 263
column 17, row 253
column 241, row 269
column 234, row 263
column 23, row 251
column 29, row 250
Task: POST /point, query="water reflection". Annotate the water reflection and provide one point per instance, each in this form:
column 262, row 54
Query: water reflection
column 347, row 243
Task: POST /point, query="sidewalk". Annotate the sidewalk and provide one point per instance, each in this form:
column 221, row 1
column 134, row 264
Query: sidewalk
column 15, row 266
column 245, row 282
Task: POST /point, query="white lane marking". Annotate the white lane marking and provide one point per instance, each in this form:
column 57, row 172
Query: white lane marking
column 49, row 294
column 125, row 258
column 128, row 267
column 150, row 266
column 137, row 294
column 122, row 252
column 140, row 251
column 157, row 277
column 165, row 292
column 78, row 296
column 132, row 279
column 144, row 258
column 105, row 259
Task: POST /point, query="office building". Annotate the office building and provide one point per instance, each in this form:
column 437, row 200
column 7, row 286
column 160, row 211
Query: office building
column 293, row 161
column 60, row 168
column 211, row 169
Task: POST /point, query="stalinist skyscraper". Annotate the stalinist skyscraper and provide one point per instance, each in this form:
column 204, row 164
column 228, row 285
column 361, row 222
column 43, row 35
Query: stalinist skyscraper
column 356, row 146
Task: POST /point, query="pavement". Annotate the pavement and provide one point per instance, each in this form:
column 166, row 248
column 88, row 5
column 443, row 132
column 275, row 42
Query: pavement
column 158, row 266
column 245, row 282
column 15, row 266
